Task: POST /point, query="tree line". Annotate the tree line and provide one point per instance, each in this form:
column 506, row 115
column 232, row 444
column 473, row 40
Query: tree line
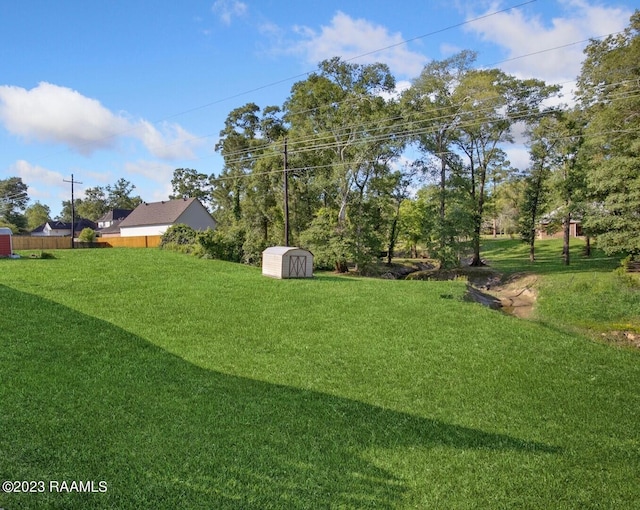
column 20, row 217
column 342, row 136
column 368, row 169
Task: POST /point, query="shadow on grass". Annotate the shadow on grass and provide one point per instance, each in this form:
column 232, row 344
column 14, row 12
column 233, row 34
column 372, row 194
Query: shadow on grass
column 85, row 400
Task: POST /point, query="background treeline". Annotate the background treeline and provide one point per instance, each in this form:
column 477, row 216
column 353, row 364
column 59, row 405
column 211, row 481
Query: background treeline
column 369, row 169
column 353, row 195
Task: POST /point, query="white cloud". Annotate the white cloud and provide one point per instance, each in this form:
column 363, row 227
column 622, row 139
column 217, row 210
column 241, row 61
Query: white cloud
column 50, row 183
column 172, row 142
column 347, row 38
column 401, row 86
column 50, row 113
column 521, row 35
column 152, row 170
column 518, row 156
column 228, row 9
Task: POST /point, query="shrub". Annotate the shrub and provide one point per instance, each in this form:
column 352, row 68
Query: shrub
column 223, row 245
column 180, row 235
column 87, row 235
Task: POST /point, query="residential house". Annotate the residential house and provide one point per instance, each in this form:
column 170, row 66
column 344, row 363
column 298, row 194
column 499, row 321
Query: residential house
column 149, row 219
column 114, row 215
column 62, row 228
column 551, row 227
column 109, row 223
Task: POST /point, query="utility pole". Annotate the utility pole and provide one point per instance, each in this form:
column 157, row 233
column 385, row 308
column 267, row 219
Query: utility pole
column 286, row 197
column 73, row 210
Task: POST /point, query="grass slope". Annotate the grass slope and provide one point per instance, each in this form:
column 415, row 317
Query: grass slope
column 187, row 383
column 587, row 296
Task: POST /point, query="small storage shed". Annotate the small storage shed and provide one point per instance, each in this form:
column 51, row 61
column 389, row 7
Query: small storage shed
column 287, row 262
column 6, row 248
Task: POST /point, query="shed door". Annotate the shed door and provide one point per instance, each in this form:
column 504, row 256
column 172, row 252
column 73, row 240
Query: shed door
column 298, row 266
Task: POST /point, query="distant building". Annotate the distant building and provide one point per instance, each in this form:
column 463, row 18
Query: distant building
column 113, row 216
column 151, row 219
column 62, row 228
column 109, row 223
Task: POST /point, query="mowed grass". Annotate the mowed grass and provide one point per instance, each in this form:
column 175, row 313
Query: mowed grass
column 188, row 383
column 587, row 296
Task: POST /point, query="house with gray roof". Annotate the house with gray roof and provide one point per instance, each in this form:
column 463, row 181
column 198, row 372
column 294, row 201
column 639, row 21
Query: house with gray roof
column 53, row 228
column 109, row 222
column 113, row 216
column 154, row 218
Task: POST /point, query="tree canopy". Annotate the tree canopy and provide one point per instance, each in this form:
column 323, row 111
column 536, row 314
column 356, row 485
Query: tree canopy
column 609, row 89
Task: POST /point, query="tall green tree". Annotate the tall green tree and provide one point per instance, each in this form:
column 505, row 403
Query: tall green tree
column 13, row 202
column 545, row 149
column 119, row 195
column 433, row 114
column 568, row 178
column 37, row 214
column 496, row 102
column 237, row 146
column 609, row 90
column 247, row 195
column 93, row 205
column 189, row 183
column 343, row 130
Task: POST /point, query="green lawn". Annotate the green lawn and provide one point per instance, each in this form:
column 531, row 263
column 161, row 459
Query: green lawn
column 586, row 296
column 189, row 383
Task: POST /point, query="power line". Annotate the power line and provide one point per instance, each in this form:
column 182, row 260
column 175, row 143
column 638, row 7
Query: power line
column 307, row 73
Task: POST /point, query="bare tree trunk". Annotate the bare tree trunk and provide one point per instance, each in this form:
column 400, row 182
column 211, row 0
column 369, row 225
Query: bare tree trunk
column 532, row 246
column 476, row 260
column 392, row 240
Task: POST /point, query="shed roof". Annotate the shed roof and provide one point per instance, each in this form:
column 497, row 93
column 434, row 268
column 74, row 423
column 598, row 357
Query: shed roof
column 5, row 231
column 281, row 250
column 157, row 213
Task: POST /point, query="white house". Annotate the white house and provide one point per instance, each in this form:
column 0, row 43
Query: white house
column 153, row 219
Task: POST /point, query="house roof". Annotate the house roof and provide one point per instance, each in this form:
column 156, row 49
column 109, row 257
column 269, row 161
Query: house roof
column 58, row 225
column 82, row 224
column 157, row 213
column 115, row 214
column 114, row 228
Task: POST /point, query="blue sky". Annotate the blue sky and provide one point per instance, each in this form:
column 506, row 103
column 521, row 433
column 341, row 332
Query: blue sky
column 138, row 88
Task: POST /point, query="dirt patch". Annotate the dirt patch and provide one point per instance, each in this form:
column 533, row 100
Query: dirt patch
column 515, row 295
column 627, row 338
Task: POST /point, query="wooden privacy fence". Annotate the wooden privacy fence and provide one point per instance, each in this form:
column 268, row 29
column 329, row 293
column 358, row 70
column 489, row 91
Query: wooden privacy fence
column 130, row 242
column 41, row 243
column 61, row 243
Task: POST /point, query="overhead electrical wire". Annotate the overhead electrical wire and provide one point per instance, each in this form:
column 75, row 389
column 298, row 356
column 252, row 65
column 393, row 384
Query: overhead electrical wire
column 307, row 73
column 328, row 140
column 315, row 139
column 309, row 110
